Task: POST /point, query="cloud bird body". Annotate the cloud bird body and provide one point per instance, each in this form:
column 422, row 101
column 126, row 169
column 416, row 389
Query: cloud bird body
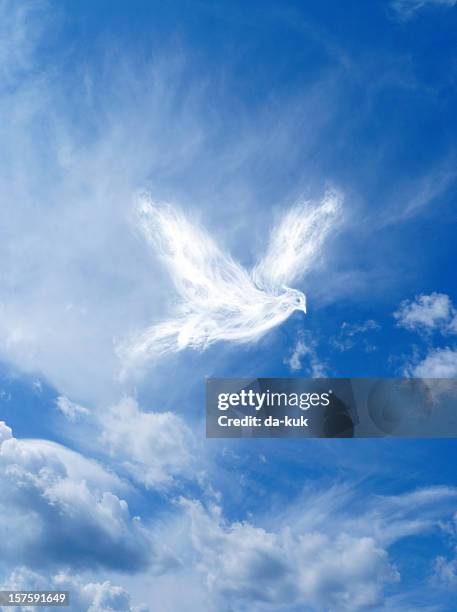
column 218, row 298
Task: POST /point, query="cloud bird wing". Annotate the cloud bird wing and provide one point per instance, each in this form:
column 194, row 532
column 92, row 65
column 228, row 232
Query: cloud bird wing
column 218, row 298
column 205, row 277
column 295, row 243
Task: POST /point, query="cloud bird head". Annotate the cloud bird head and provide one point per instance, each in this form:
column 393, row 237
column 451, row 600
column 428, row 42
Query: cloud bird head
column 294, row 300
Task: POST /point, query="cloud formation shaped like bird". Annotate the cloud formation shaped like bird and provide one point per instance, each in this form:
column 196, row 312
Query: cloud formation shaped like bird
column 219, row 300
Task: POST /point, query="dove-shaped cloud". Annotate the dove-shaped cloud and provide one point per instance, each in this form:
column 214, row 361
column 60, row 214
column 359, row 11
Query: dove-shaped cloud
column 218, row 298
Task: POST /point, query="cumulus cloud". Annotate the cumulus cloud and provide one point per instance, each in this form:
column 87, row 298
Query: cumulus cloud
column 329, row 551
column 64, row 507
column 6, row 433
column 326, row 550
column 427, row 313
column 85, row 595
column 438, row 363
column 406, row 9
column 219, row 300
column 243, row 564
column 155, row 449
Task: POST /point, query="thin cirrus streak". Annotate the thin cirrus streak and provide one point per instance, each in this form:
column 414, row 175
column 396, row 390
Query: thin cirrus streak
column 219, row 300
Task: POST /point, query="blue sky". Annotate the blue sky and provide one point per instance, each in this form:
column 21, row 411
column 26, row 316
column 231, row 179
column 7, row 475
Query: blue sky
column 233, row 112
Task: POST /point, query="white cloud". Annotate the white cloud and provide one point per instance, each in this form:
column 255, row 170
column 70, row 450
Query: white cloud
column 21, row 27
column 444, row 572
column 305, row 350
column 439, row 363
column 89, row 280
column 350, row 333
column 431, row 313
column 85, row 595
column 156, row 449
column 351, row 329
column 64, row 508
column 75, row 278
column 444, row 569
column 327, row 551
column 70, row 409
column 428, row 312
column 243, row 564
column 65, row 205
column 6, row 433
column 408, row 8
column 294, row 361
column 452, row 327
column 218, row 299
column 296, row 241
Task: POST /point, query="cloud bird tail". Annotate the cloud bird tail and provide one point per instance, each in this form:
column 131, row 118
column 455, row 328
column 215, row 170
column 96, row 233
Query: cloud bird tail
column 155, row 341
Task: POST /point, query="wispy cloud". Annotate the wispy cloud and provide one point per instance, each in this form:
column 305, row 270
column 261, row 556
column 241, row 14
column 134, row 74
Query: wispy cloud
column 21, row 29
column 416, row 196
column 65, row 207
column 219, row 300
column 296, row 242
column 71, row 410
column 304, row 357
column 352, row 333
column 444, row 572
column 444, row 568
column 406, row 9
